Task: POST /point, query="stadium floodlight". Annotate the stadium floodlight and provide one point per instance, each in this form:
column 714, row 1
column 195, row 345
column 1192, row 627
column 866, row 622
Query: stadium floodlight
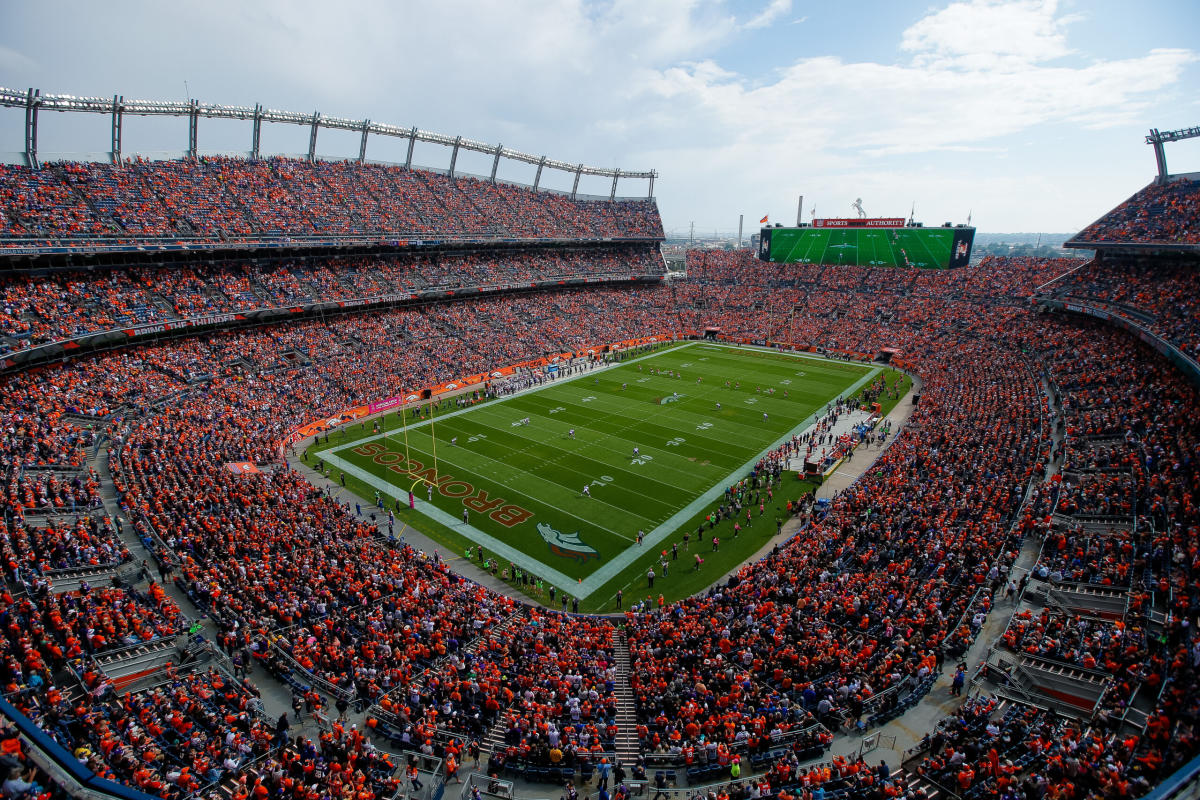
column 1157, row 138
column 32, row 100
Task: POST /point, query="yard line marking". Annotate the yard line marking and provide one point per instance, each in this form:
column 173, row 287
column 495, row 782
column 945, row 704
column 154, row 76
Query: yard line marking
column 600, row 467
column 614, row 566
column 611, row 568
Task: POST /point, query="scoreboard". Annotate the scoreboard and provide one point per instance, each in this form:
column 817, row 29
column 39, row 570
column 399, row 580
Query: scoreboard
column 882, row 242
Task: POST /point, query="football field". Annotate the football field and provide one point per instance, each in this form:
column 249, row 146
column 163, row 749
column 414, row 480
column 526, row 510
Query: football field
column 655, row 440
column 864, row 247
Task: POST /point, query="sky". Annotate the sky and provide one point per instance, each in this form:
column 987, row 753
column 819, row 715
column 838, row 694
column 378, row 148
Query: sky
column 1027, row 115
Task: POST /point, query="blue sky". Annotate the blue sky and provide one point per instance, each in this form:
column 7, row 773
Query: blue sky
column 1028, row 114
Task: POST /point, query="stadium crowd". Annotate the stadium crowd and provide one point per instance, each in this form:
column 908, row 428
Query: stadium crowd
column 235, row 199
column 36, row 310
column 854, row 614
column 1167, row 213
column 1156, row 295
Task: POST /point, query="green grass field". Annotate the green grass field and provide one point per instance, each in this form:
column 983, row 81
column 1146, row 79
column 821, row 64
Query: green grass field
column 521, row 484
column 865, row 247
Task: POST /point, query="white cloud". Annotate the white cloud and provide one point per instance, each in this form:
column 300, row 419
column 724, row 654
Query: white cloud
column 774, row 10
column 976, row 74
column 990, row 34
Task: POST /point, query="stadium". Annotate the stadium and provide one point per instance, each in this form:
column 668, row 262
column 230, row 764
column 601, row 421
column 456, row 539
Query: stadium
column 351, row 479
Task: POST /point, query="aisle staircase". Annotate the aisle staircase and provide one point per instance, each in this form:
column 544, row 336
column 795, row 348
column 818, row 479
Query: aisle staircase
column 627, row 742
column 1087, row 600
column 626, row 748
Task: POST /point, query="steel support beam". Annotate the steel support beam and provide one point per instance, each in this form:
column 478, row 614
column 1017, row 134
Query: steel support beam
column 312, row 136
column 116, row 129
column 454, row 155
column 256, row 137
column 362, row 145
column 1160, row 154
column 496, row 161
column 193, row 124
column 575, row 186
column 537, row 179
column 412, row 142
column 612, row 196
column 32, row 101
column 650, row 193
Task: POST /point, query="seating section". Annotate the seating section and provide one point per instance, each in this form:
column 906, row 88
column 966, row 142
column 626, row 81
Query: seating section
column 1154, row 293
column 1159, row 214
column 37, row 310
column 844, row 626
column 231, row 199
column 561, row 697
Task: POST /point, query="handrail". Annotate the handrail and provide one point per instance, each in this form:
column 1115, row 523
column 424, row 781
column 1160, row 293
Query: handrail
column 1054, row 662
column 325, row 685
column 1055, row 279
column 1183, row 779
column 61, row 764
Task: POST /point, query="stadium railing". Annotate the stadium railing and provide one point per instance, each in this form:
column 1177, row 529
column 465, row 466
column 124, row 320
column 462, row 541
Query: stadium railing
column 54, row 759
column 1184, row 782
column 16, row 246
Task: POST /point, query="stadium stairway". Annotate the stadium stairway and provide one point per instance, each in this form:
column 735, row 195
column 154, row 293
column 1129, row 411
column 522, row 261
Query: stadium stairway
column 1087, row 600
column 73, row 578
column 628, row 746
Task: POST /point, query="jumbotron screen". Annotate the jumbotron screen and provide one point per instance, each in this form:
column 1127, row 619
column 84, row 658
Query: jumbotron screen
column 868, row 245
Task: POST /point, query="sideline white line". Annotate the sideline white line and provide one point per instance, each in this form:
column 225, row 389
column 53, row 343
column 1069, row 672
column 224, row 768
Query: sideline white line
column 611, row 568
column 523, row 560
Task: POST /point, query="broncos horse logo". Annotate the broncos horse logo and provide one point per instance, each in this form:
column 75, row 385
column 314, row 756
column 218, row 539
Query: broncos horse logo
column 567, row 545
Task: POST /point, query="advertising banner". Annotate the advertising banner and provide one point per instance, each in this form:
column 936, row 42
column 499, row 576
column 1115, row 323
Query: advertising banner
column 849, row 222
column 384, row 405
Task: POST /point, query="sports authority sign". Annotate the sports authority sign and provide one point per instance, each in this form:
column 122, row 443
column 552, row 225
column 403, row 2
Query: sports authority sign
column 874, row 222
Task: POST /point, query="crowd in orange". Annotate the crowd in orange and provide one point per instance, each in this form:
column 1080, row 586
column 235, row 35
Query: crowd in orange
column 1167, row 213
column 234, row 198
column 1158, row 296
column 49, row 308
column 890, row 583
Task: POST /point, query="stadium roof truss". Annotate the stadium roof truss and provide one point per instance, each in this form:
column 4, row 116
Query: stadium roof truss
column 33, row 101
